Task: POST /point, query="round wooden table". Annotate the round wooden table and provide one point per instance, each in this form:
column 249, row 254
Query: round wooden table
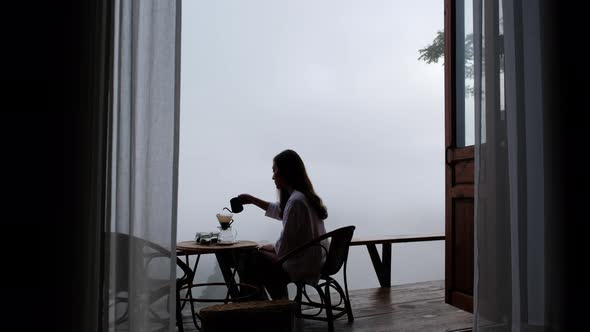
column 193, row 248
column 225, row 254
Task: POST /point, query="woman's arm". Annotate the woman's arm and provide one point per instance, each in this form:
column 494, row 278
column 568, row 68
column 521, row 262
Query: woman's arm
column 295, row 227
column 249, row 199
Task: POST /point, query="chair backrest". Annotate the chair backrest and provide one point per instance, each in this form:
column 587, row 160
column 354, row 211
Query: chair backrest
column 144, row 252
column 338, row 251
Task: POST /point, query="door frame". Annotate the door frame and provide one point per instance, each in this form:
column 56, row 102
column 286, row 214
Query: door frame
column 459, row 163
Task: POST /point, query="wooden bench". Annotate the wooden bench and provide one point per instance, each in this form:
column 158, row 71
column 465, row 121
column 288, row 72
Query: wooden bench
column 382, row 265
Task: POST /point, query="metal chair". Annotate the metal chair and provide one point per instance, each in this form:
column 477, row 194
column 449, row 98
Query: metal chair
column 336, row 258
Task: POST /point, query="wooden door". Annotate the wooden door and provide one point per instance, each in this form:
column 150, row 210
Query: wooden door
column 459, row 158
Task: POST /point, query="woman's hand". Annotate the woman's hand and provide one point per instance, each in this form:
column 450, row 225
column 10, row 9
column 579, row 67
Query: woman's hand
column 249, row 199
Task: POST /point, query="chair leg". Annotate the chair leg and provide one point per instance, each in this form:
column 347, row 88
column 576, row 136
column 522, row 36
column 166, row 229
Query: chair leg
column 298, row 297
column 179, row 312
column 328, row 303
column 195, row 316
column 347, row 298
column 347, row 306
column 189, row 293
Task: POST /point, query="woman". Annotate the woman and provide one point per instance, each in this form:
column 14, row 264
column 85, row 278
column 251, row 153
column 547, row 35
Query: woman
column 302, row 212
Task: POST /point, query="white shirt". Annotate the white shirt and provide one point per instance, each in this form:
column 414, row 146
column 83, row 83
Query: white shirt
column 301, row 224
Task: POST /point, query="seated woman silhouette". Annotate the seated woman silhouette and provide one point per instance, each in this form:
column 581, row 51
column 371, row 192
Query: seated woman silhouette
column 302, row 213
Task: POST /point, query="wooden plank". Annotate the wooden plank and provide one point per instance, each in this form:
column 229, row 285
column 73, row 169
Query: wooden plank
column 462, row 190
column 424, row 317
column 463, row 249
column 463, row 153
column 434, row 284
column 463, row 172
column 462, row 300
column 427, row 316
column 380, row 300
column 395, row 239
column 397, row 294
column 409, row 307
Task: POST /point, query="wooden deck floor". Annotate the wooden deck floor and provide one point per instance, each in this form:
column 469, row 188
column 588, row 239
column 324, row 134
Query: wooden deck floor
column 410, row 307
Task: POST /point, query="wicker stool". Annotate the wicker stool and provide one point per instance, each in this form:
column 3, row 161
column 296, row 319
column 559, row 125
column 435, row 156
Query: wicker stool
column 260, row 316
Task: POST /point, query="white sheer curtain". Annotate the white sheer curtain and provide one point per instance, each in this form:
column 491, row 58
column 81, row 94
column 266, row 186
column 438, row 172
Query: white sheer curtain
column 510, row 247
column 143, row 166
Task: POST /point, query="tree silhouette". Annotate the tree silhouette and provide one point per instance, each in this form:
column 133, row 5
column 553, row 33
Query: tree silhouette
column 435, row 51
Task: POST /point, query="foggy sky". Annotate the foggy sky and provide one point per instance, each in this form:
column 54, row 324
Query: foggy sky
column 340, row 83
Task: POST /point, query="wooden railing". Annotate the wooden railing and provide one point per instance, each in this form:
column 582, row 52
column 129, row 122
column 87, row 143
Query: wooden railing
column 382, row 265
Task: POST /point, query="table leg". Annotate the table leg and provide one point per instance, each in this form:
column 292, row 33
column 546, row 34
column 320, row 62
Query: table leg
column 225, row 261
column 189, row 293
column 382, row 265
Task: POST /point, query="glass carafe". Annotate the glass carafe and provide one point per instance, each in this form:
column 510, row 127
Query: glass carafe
column 227, row 235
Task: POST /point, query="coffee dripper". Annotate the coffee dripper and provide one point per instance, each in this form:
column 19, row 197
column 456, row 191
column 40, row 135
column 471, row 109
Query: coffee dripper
column 226, row 233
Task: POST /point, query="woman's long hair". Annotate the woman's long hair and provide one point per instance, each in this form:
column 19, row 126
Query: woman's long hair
column 292, row 170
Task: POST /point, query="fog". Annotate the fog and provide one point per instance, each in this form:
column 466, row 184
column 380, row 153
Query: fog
column 340, row 83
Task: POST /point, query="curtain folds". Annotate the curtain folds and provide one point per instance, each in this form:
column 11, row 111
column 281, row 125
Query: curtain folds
column 143, row 167
column 510, row 264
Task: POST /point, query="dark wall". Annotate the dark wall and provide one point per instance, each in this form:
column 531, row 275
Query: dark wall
column 50, row 133
column 565, row 85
